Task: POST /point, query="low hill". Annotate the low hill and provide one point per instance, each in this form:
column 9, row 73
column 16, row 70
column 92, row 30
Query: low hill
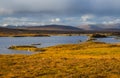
column 3, row 29
column 53, row 28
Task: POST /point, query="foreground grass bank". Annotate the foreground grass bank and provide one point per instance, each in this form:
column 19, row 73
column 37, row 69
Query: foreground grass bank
column 86, row 60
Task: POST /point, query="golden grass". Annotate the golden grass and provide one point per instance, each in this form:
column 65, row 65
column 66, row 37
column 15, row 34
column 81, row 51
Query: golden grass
column 23, row 35
column 86, row 60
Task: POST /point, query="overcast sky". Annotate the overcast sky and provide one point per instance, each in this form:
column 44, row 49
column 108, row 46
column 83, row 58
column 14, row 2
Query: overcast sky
column 67, row 12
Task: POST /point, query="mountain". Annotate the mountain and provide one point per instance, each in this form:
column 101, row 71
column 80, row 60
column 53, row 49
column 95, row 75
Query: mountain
column 113, row 26
column 9, row 30
column 11, row 26
column 100, row 26
column 37, row 30
column 53, row 28
column 90, row 27
column 6, row 29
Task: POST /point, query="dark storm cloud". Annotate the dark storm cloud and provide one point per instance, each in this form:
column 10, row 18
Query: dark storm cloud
column 60, row 6
column 100, row 7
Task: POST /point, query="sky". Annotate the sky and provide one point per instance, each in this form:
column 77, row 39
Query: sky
column 63, row 12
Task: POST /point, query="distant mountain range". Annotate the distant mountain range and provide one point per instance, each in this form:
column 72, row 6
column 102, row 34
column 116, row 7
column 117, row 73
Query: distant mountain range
column 69, row 28
column 46, row 27
column 61, row 29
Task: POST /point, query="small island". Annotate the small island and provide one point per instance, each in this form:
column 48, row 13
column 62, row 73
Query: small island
column 26, row 48
column 98, row 36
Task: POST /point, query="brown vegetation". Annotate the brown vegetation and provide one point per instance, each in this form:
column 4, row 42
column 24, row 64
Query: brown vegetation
column 86, row 60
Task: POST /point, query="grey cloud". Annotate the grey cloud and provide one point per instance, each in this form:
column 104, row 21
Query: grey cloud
column 32, row 6
column 100, row 7
column 42, row 11
column 60, row 6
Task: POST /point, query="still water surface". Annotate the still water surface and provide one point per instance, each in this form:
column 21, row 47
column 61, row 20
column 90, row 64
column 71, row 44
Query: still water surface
column 5, row 42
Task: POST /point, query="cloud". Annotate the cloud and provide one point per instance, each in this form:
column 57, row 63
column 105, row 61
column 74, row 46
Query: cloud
column 115, row 21
column 32, row 5
column 55, row 20
column 72, row 21
column 86, row 17
column 99, row 7
column 16, row 19
column 66, row 7
column 19, row 21
column 5, row 11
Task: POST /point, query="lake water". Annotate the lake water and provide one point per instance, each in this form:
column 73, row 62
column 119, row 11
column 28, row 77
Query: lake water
column 6, row 42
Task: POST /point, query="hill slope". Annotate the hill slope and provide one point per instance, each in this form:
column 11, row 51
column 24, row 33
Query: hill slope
column 3, row 29
column 54, row 28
